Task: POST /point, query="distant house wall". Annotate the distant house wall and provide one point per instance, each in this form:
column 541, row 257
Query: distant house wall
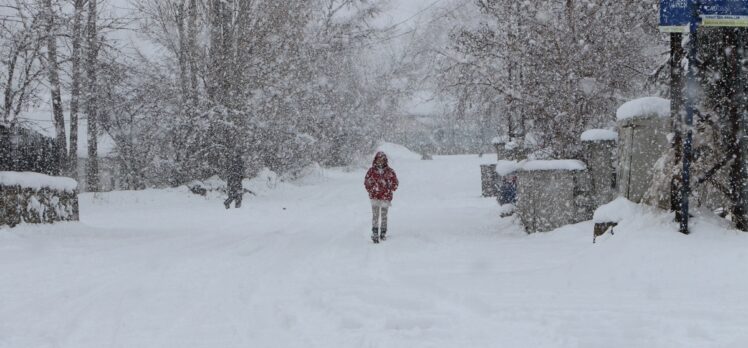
column 110, row 175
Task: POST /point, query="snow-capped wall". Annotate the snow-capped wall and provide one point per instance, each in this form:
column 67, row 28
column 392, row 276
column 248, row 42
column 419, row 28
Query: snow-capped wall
column 505, row 167
column 37, row 181
column 643, row 126
column 36, row 198
column 546, row 165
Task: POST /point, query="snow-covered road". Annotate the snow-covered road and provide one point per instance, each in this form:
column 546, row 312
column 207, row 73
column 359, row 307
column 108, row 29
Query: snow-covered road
column 295, row 268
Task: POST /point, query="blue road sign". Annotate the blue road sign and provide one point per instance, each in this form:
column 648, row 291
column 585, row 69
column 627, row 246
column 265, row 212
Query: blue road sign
column 723, row 13
column 676, row 15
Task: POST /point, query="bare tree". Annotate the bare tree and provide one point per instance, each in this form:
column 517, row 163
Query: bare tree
column 92, row 169
column 75, row 90
column 53, row 68
column 558, row 67
column 20, row 58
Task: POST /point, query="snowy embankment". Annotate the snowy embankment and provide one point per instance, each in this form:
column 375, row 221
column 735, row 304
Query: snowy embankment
column 295, row 268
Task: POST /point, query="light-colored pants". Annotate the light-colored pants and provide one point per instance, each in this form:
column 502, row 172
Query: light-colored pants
column 379, row 213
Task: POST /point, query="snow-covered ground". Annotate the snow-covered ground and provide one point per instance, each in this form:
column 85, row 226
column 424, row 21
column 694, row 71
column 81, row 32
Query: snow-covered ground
column 295, row 268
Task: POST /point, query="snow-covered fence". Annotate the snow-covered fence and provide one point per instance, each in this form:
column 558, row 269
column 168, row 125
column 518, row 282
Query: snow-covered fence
column 600, row 150
column 643, row 129
column 553, row 193
column 36, row 198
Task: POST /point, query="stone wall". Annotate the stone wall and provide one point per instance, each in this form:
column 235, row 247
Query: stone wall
column 36, row 198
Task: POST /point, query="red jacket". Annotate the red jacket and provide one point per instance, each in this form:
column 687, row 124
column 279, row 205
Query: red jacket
column 381, row 182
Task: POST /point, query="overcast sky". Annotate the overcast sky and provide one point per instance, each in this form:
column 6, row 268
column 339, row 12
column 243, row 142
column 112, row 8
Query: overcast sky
column 400, row 10
column 397, row 11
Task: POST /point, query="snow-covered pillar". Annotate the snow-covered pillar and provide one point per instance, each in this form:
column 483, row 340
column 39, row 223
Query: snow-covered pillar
column 498, row 145
column 643, row 128
column 489, row 180
column 552, row 193
column 600, row 150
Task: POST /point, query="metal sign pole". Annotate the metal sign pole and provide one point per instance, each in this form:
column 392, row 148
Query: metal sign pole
column 691, row 94
column 742, row 135
column 686, row 16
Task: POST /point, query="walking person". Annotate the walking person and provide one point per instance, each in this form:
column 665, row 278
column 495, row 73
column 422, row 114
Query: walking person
column 380, row 182
column 234, row 187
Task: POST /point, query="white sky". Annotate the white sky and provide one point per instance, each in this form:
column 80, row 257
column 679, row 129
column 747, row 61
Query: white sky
column 400, row 10
column 397, row 11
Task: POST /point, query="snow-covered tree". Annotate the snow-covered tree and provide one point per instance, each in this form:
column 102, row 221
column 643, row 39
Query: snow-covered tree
column 553, row 68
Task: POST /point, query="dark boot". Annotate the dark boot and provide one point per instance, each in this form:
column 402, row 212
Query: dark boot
column 375, row 235
column 383, row 235
column 227, row 203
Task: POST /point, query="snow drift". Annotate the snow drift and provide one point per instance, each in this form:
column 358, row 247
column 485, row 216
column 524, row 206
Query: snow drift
column 397, row 152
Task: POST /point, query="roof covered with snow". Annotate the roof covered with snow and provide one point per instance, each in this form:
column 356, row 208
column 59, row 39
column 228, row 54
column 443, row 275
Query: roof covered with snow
column 644, row 107
column 599, row 135
column 542, row 165
column 37, row 181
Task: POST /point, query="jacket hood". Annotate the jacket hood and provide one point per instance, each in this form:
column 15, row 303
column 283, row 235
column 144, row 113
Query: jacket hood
column 378, row 156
